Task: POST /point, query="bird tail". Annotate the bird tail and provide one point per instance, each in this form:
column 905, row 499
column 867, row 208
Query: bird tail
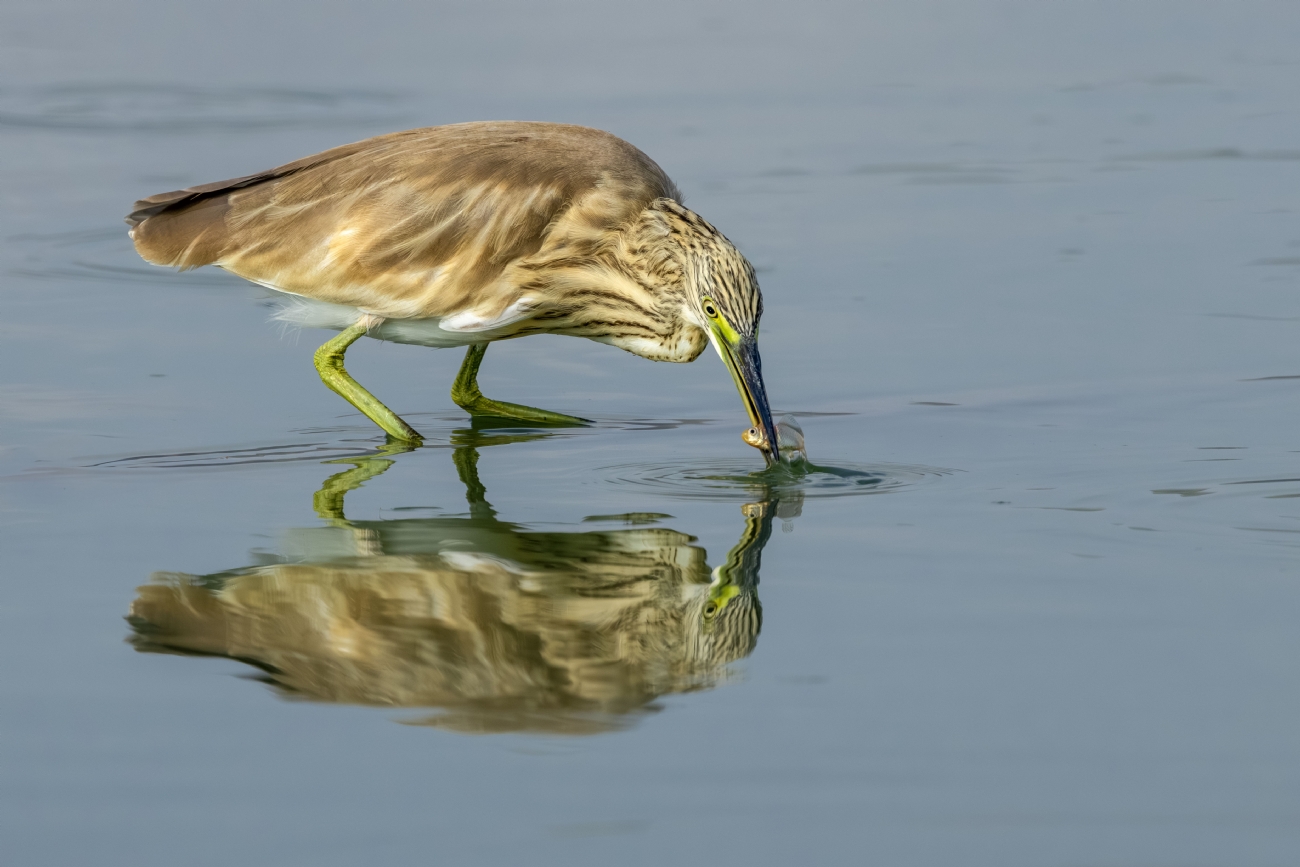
column 187, row 228
column 184, row 229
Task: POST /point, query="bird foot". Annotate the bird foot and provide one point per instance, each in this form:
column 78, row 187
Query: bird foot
column 466, row 394
column 484, row 407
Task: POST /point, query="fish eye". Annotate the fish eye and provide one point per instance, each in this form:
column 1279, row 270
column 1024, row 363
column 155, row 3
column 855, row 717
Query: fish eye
column 710, row 309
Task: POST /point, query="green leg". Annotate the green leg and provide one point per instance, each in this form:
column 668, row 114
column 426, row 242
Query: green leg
column 464, row 391
column 329, row 364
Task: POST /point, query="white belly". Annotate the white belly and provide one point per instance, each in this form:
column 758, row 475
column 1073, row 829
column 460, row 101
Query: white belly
column 464, row 329
column 311, row 313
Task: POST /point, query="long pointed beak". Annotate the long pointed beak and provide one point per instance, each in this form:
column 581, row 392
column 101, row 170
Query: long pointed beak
column 747, row 370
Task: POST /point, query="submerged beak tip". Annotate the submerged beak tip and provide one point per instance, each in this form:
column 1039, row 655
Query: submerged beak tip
column 772, row 449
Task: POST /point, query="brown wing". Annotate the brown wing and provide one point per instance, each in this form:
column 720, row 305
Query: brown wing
column 413, row 224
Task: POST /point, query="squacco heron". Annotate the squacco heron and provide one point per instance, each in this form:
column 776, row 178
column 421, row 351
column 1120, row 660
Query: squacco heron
column 465, row 234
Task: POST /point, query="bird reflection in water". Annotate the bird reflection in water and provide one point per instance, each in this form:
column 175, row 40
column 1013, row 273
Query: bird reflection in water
column 496, row 626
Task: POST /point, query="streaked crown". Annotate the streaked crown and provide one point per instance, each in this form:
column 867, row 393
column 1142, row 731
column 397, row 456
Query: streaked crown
column 714, row 269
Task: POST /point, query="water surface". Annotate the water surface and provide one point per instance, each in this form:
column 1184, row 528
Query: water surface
column 1030, row 277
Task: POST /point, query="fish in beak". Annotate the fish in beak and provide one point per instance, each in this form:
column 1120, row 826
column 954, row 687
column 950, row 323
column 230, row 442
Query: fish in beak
column 742, row 359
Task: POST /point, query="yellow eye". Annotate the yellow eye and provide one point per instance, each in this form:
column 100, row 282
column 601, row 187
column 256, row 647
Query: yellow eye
column 710, row 309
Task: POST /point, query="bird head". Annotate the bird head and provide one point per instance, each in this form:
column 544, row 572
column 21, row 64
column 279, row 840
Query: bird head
column 724, row 300
column 725, row 625
column 729, row 614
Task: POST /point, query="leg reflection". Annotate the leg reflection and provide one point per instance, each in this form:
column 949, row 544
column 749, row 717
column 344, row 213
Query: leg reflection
column 328, row 501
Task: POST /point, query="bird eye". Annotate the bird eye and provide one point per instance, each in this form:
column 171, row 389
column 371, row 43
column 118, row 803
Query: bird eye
column 710, row 310
column 710, row 609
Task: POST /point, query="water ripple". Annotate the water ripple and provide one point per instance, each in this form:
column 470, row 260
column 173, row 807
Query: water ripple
column 737, row 479
column 131, row 108
column 99, row 256
column 231, row 457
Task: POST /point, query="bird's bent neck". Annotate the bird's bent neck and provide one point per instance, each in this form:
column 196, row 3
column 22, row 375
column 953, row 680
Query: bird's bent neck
column 627, row 286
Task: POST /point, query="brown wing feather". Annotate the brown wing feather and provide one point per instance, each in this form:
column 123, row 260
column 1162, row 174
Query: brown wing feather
column 159, row 202
column 418, row 223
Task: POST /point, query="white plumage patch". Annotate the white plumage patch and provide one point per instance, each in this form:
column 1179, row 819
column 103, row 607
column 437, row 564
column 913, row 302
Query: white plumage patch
column 310, row 313
column 472, row 320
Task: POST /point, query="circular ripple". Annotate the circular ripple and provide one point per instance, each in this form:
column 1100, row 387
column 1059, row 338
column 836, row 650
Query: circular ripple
column 738, row 480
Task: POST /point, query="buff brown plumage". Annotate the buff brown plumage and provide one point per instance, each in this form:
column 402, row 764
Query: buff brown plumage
column 465, row 234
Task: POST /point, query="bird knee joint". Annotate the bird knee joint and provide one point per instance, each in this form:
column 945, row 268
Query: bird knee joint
column 326, row 359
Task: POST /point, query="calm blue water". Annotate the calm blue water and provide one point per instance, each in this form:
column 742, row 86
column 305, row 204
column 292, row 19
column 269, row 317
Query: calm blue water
column 1031, row 275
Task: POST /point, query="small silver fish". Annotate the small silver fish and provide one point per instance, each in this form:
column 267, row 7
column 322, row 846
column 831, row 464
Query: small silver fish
column 789, row 439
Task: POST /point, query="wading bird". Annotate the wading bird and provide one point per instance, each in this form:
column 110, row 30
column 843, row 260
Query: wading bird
column 465, row 234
